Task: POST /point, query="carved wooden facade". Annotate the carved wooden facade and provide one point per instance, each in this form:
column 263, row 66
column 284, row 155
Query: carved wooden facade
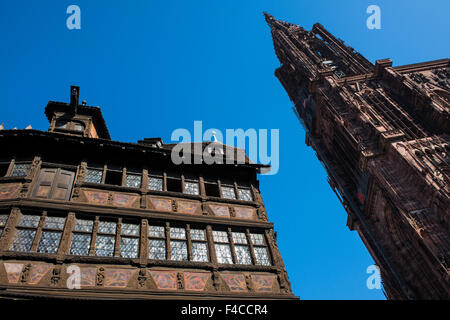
column 82, row 216
column 382, row 133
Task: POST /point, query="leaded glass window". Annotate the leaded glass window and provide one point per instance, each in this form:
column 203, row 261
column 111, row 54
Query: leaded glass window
column 94, row 176
column 191, row 188
column 243, row 254
column 157, row 242
column 239, row 237
column 222, row 246
column 178, row 248
column 133, row 181
column 199, row 245
column 262, row 258
column 20, row 170
column 223, row 253
column 82, row 236
column 107, row 227
column 245, row 194
column 155, row 183
column 129, row 241
column 106, row 239
column 257, row 239
column 228, row 193
column 260, row 249
column 3, row 219
column 26, row 231
column 199, row 252
column 51, row 234
column 104, row 246
column 81, row 243
column 220, row 236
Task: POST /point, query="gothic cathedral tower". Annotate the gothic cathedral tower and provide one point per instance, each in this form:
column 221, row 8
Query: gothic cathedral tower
column 382, row 133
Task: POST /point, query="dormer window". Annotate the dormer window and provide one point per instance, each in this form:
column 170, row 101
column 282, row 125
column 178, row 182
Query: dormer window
column 78, row 126
column 61, row 124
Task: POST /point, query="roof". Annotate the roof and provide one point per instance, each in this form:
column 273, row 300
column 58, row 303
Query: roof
column 95, row 112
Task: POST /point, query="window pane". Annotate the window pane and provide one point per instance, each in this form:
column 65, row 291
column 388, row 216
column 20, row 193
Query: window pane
column 49, row 242
column 157, row 249
column 197, row 234
column 177, row 233
column 3, row 219
column 80, row 244
column 107, row 227
column 55, row 223
column 104, row 246
column 228, row 192
column 23, row 240
column 130, row 229
column 20, row 170
column 78, row 127
column 243, row 255
column 84, row 225
column 199, row 252
column 179, row 250
column 133, row 181
column 129, row 247
column 94, row 176
column 155, row 184
column 239, row 237
column 245, row 194
column 261, row 256
column 257, row 238
column 220, row 236
column 223, row 253
column 191, row 188
column 156, row 232
column 29, row 221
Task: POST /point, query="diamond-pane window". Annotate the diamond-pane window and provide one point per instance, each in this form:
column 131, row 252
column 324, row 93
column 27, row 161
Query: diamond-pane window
column 3, row 219
column 107, row 227
column 81, row 243
column 178, row 250
column 129, row 247
column 191, row 188
column 239, row 237
column 84, row 225
column 104, row 246
column 49, row 242
column 199, row 252
column 177, row 233
column 223, row 253
column 94, row 176
column 228, row 192
column 29, row 221
column 243, row 255
column 130, row 229
column 55, row 223
column 262, row 258
column 23, row 240
column 157, row 249
column 220, row 236
column 20, row 170
column 245, row 194
column 197, row 234
column 156, row 231
column 133, row 181
column 257, row 239
column 155, row 183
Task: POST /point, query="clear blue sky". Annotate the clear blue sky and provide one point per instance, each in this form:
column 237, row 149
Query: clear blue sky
column 154, row 66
